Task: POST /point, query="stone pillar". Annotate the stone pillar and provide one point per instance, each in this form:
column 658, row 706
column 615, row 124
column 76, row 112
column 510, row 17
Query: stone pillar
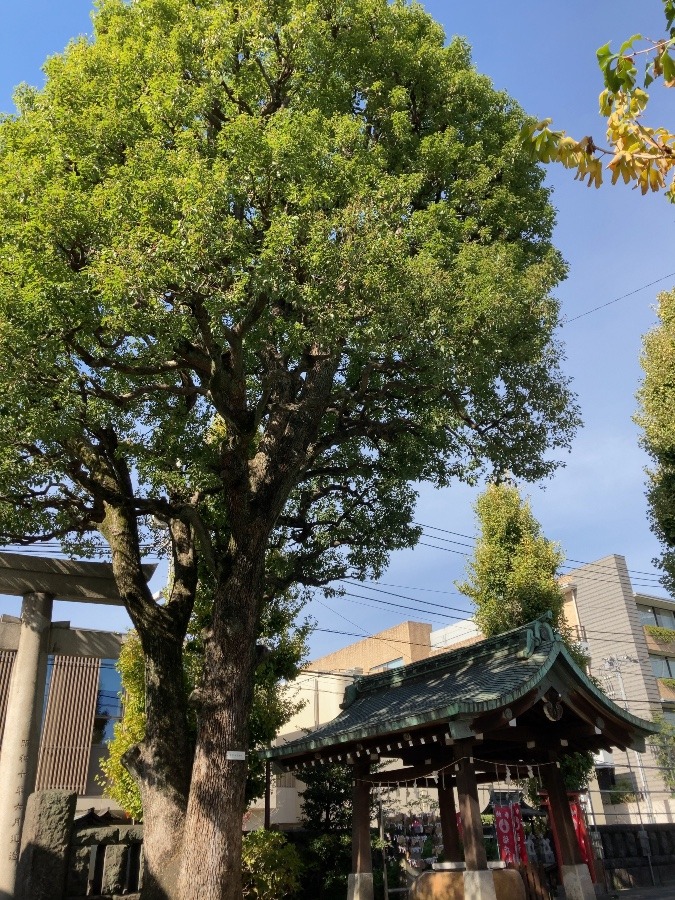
column 478, row 881
column 21, row 739
column 45, row 845
column 361, row 880
column 575, row 875
column 452, row 850
column 115, row 869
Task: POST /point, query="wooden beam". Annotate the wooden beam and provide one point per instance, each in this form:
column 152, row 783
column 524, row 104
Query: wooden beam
column 617, row 733
column 487, row 722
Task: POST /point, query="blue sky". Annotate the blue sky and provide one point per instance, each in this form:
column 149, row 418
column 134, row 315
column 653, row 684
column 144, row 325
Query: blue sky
column 614, row 241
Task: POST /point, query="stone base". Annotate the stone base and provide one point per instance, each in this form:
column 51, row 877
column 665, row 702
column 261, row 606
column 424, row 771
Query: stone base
column 577, row 882
column 479, row 885
column 44, row 845
column 448, row 885
column 360, row 887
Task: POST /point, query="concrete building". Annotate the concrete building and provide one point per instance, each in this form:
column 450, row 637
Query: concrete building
column 613, row 622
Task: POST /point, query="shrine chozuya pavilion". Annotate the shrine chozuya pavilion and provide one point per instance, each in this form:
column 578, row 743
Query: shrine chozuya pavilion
column 459, row 719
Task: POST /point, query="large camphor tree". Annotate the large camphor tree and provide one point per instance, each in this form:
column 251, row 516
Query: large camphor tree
column 262, row 265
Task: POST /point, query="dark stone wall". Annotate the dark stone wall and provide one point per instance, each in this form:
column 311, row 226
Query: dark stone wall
column 628, row 851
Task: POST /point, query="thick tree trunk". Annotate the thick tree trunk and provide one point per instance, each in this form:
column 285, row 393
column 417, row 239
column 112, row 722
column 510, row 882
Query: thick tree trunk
column 161, row 765
column 211, row 868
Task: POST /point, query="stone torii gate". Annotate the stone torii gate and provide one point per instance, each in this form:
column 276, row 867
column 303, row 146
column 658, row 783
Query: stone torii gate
column 39, row 581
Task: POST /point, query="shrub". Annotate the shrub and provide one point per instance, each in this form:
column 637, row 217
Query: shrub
column 271, row 866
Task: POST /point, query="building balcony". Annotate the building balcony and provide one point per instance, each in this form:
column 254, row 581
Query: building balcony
column 660, row 640
column 666, row 689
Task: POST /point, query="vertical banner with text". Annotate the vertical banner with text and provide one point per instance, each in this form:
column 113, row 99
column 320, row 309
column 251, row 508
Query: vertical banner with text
column 510, row 834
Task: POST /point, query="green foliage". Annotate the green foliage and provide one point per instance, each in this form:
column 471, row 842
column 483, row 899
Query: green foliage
column 661, row 635
column 327, row 862
column 271, row 866
column 663, row 745
column 327, row 798
column 577, row 769
column 196, row 167
column 512, row 575
column 657, row 420
column 272, row 703
column 668, row 682
column 428, row 847
column 622, row 791
column 118, row 784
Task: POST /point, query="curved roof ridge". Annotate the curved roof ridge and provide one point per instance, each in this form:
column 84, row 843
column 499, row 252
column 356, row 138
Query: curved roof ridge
column 365, row 684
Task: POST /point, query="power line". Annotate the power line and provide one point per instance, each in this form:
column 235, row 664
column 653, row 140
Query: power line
column 652, row 575
column 617, row 299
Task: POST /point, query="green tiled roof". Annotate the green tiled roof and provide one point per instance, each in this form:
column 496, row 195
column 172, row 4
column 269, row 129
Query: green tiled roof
column 485, row 676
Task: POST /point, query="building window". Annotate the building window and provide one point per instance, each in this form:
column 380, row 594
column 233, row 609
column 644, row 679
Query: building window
column 286, row 780
column 654, row 615
column 108, row 702
column 646, row 614
column 663, row 666
column 606, row 778
column 384, row 667
column 665, row 618
column 669, row 716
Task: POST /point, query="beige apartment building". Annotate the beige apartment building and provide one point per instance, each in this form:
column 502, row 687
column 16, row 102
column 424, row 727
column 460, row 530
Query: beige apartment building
column 614, row 621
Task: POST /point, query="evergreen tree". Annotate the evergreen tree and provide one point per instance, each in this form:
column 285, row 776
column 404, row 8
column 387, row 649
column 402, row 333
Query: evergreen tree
column 511, row 579
column 657, row 419
column 327, row 798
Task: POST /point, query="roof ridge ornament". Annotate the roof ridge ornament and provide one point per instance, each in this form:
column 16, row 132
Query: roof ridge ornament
column 538, row 633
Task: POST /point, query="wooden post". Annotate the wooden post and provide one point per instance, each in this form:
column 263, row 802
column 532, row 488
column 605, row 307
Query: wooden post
column 561, row 815
column 469, row 809
column 478, row 881
column 361, row 879
column 268, row 810
column 361, row 855
column 575, row 875
column 452, row 850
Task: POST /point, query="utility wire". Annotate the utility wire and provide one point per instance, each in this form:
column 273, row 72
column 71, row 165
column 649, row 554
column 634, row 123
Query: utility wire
column 472, row 538
column 617, row 299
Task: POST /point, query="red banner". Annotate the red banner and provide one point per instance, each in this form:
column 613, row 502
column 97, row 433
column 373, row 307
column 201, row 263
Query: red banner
column 510, row 834
column 580, row 830
column 583, row 838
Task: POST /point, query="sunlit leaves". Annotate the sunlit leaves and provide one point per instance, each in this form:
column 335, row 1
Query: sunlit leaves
column 511, row 578
column 657, row 420
column 636, row 153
